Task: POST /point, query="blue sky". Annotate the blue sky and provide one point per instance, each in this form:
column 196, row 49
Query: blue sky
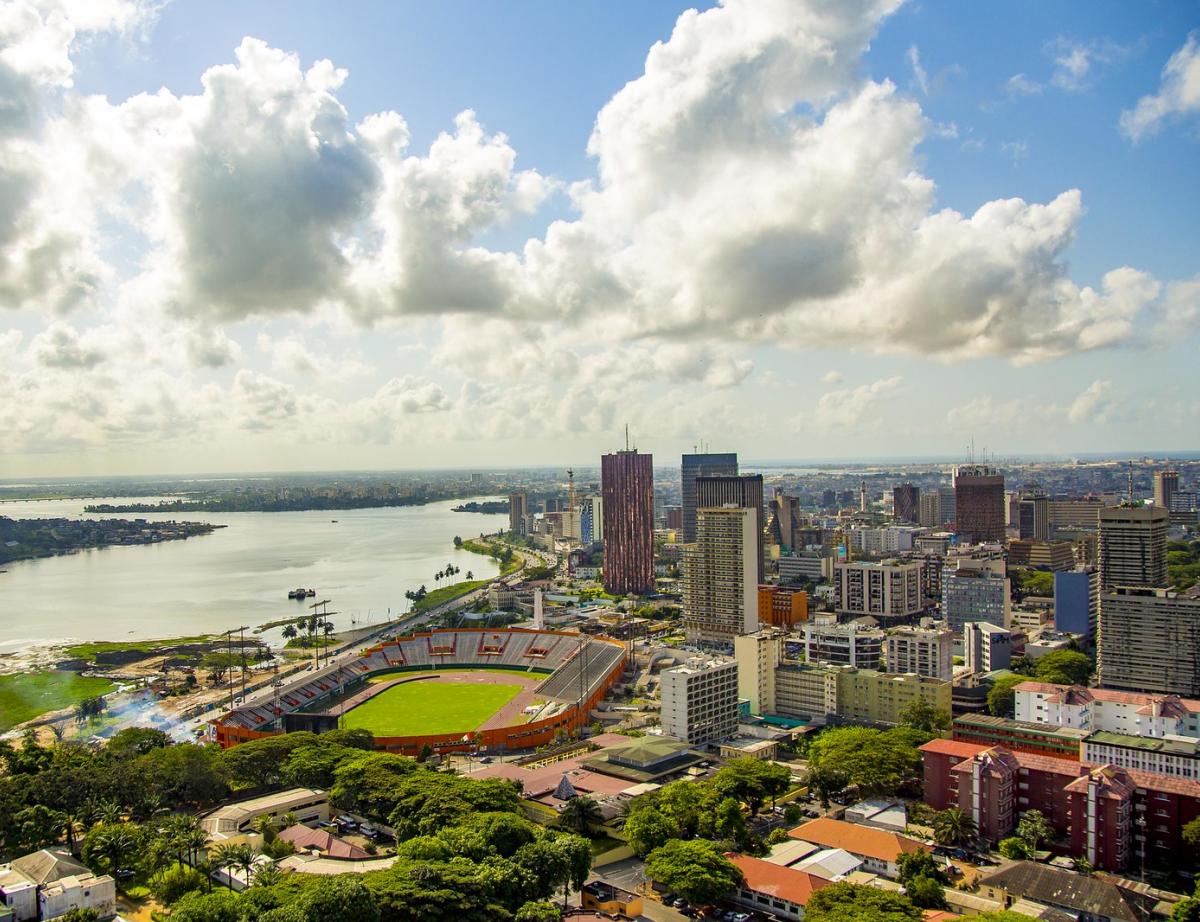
column 409, row 323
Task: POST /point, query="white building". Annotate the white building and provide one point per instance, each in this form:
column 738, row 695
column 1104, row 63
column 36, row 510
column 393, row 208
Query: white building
column 927, row 651
column 891, row 539
column 1175, row 757
column 757, row 656
column 889, row 591
column 1107, row 710
column 700, row 700
column 48, row 883
column 720, row 576
column 986, row 647
column 843, row 644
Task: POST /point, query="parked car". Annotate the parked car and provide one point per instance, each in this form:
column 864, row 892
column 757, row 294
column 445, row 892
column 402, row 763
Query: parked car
column 368, row 830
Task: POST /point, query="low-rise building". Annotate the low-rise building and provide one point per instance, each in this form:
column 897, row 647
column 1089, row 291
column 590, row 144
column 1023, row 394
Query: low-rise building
column 807, row 568
column 1079, row 896
column 308, row 805
column 1092, row 709
column 1020, row 736
column 700, row 700
column 773, row 888
column 889, row 591
column 867, row 696
column 49, row 883
column 877, row 849
column 782, row 606
column 1041, row 555
column 1176, row 757
column 976, row 589
column 806, row 691
column 602, row 896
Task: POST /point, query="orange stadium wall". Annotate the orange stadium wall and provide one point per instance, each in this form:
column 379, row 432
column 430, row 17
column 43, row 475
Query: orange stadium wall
column 520, row 736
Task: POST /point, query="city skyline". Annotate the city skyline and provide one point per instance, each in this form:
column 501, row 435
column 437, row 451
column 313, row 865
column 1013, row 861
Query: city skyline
column 252, row 241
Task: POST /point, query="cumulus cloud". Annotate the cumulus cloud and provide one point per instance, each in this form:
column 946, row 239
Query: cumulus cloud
column 850, row 407
column 1094, row 405
column 1178, row 94
column 61, row 346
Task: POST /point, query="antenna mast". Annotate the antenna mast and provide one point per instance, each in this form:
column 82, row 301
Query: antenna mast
column 1131, row 481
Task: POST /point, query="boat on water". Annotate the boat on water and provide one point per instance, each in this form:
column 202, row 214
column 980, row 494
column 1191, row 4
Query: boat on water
column 302, row 593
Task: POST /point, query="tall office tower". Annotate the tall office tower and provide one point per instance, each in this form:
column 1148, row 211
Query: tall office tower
column 745, row 491
column 986, row 647
column 946, row 504
column 1150, row 641
column 978, row 503
column 694, row 466
column 906, row 503
column 976, row 590
column 1132, row 549
column 1166, row 485
column 929, row 509
column 518, row 509
column 785, row 522
column 720, row 585
column 1077, row 601
column 627, row 498
column 1033, row 516
column 591, row 520
column 700, row 700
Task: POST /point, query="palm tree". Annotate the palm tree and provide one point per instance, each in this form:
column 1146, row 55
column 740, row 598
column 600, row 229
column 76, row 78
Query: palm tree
column 108, row 812
column 265, row 827
column 581, row 814
column 114, row 843
column 243, row 859
column 71, row 822
column 470, row 575
column 266, row 875
column 288, row 819
column 224, row 858
column 954, row 827
column 290, row 632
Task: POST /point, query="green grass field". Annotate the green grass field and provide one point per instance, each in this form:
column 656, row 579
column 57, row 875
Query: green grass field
column 430, row 707
column 26, row 695
column 391, row 676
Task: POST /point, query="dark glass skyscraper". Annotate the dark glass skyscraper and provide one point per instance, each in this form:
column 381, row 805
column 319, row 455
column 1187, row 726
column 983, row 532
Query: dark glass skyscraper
column 627, row 490
column 978, row 503
column 906, row 503
column 708, row 465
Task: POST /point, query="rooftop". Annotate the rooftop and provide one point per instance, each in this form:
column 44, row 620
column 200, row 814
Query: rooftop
column 771, row 879
column 989, row 722
column 1065, row 889
column 858, row 840
column 1174, row 746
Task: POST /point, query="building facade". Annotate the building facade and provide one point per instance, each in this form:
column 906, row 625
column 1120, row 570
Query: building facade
column 1107, row 710
column 978, row 503
column 627, row 489
column 906, row 503
column 518, row 511
column 782, row 606
column 1033, row 517
column 744, row 491
column 1175, row 758
column 986, row 647
column 1166, row 485
column 868, row 696
column 976, row 589
column 720, row 589
column 1133, row 546
column 591, row 520
column 758, row 655
column 700, row 700
column 889, row 592
column 927, row 651
column 1150, row 642
column 1077, row 602
column 843, row 644
column 1020, row 736
column 701, row 465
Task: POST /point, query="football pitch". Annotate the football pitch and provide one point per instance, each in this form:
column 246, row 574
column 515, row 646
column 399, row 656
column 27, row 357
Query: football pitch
column 416, row 708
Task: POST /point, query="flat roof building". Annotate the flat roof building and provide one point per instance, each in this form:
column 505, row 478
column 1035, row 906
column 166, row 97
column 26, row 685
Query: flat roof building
column 1150, row 641
column 700, row 700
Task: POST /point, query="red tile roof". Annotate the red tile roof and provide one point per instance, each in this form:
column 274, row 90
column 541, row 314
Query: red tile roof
column 774, row 880
column 858, row 840
column 306, row 839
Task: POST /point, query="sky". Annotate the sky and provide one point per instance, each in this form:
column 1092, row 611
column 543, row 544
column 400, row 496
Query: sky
column 283, row 236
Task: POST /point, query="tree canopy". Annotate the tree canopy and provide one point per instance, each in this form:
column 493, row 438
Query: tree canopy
column 843, row 902
column 695, row 869
column 878, row 762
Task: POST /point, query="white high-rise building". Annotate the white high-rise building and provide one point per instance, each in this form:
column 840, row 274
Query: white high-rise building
column 927, row 651
column 700, row 700
column 987, row 647
column 720, row 576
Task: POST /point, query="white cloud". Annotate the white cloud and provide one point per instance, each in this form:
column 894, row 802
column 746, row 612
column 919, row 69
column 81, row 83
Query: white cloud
column 831, row 377
column 1020, row 85
column 852, row 407
column 61, row 346
column 1076, row 63
column 985, row 414
column 1094, row 405
column 919, row 74
column 1178, row 94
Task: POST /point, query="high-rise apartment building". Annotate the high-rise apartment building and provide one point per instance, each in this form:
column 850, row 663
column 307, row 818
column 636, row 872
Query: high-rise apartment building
column 906, row 503
column 1150, row 641
column 518, row 509
column 720, row 588
column 702, row 465
column 976, row 589
column 1132, row 546
column 700, row 700
column 927, row 651
column 1033, row 516
column 929, row 509
column 785, row 523
column 627, row 493
column 591, row 520
column 889, row 592
column 745, row 491
column 986, row 647
column 1166, row 485
column 675, row 518
column 978, row 503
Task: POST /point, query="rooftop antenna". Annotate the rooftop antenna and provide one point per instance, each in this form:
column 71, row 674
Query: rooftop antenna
column 627, row 436
column 1131, row 481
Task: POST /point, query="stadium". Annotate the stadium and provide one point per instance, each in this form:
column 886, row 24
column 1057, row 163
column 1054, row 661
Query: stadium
column 451, row 690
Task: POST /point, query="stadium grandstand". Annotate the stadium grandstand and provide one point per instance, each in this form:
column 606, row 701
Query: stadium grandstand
column 578, row 671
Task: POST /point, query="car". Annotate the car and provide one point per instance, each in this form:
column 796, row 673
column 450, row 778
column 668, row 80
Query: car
column 368, row 830
column 125, row 874
column 680, row 903
column 741, row 917
column 668, row 898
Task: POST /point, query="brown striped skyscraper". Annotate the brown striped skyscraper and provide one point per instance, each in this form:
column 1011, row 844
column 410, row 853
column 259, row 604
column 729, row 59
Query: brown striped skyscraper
column 627, row 487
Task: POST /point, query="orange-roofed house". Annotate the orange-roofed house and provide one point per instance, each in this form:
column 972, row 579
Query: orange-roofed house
column 768, row 887
column 878, row 849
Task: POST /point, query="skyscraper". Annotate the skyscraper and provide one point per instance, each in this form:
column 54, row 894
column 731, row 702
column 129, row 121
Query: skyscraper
column 707, row 465
column 978, row 503
column 1166, row 485
column 627, row 494
column 1132, row 547
column 784, row 522
column 518, row 508
column 591, row 520
column 1033, row 516
column 906, row 503
column 720, row 584
column 1150, row 641
column 745, row 491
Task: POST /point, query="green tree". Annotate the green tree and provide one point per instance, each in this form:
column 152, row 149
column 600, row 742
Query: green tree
column 926, row 893
column 1186, row 910
column 1034, row 828
column 878, row 762
column 954, row 827
column 1191, row 835
column 538, row 912
column 581, row 814
column 730, row 825
column 79, row 915
column 107, row 845
column 920, row 864
column 828, row 782
column 921, row 715
column 1001, row 698
column 696, row 870
column 648, row 829
column 1064, row 667
column 843, row 902
column 751, row 781
column 1014, row 847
